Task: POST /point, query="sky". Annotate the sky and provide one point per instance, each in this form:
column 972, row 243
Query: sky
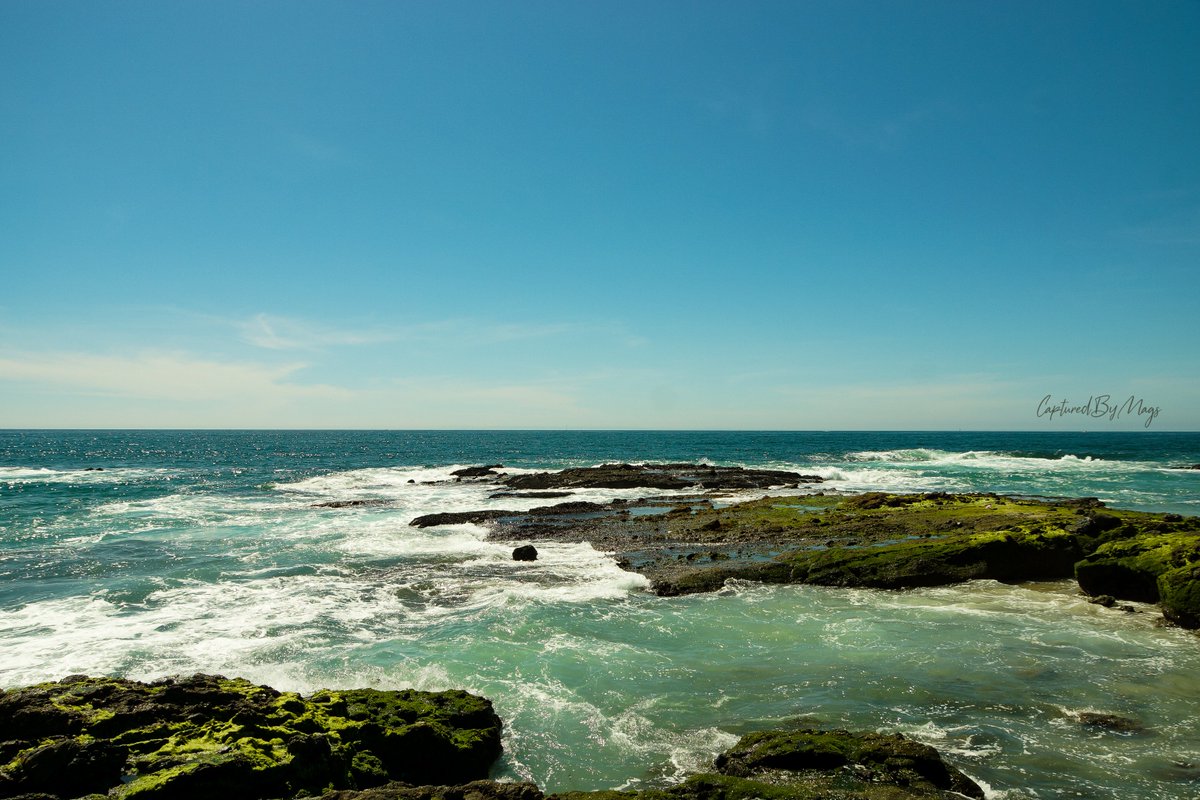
column 896, row 214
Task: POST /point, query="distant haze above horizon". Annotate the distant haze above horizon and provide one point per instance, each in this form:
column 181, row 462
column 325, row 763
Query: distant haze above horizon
column 535, row 215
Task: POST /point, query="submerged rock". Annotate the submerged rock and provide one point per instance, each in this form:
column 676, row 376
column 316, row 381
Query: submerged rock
column 208, row 736
column 1109, row 722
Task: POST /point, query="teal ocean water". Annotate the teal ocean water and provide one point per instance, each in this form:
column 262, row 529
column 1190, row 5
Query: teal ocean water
column 144, row 554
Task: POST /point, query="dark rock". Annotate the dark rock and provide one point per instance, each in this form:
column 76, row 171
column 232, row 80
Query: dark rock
column 525, row 553
column 477, row 472
column 533, row 495
column 476, row 790
column 69, row 767
column 351, row 504
column 1095, row 524
column 577, row 507
column 1106, row 600
column 460, row 517
column 658, row 476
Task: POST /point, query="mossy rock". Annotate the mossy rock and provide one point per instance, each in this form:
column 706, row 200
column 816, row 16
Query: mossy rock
column 1015, row 555
column 869, row 757
column 815, row 765
column 1154, row 567
column 885, row 541
column 1179, row 595
column 208, row 736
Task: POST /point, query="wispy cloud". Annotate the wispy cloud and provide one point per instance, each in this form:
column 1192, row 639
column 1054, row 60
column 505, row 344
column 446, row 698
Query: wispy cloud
column 285, row 333
column 274, row 332
column 159, row 376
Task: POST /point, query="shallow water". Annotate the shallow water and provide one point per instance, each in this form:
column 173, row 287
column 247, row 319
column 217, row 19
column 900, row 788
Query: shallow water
column 203, row 552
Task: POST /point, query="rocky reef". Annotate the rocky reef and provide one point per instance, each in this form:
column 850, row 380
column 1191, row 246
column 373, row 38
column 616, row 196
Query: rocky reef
column 659, row 476
column 691, row 543
column 209, row 736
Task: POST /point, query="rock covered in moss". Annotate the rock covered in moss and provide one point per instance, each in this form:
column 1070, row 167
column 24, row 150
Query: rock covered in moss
column 872, row 758
column 1160, row 566
column 815, row 765
column 209, row 736
column 884, row 541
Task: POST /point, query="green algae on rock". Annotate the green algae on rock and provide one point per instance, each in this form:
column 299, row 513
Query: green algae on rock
column 208, row 736
column 884, row 541
column 815, row 765
column 1162, row 566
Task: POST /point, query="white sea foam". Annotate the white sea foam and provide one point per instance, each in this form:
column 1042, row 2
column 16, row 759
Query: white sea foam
column 849, row 479
column 190, row 509
column 85, row 476
column 999, row 461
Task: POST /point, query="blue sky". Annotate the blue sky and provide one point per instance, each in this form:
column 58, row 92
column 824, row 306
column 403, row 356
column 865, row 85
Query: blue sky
column 796, row 215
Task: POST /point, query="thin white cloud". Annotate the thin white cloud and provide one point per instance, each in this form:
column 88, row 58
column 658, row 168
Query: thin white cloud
column 159, row 376
column 273, row 332
column 284, row 333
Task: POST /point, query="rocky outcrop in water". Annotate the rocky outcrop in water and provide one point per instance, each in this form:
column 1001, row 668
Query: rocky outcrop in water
column 904, row 541
column 525, row 552
column 208, row 736
column 685, row 544
column 488, row 471
column 659, row 476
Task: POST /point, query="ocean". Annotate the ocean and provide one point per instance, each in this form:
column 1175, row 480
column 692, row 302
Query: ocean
column 150, row 553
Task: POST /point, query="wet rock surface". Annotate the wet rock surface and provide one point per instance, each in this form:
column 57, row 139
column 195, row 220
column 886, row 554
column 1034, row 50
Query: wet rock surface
column 659, row 476
column 816, row 765
column 209, row 736
column 686, row 543
column 525, row 553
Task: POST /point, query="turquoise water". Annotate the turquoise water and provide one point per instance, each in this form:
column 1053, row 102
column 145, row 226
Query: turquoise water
column 201, row 551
